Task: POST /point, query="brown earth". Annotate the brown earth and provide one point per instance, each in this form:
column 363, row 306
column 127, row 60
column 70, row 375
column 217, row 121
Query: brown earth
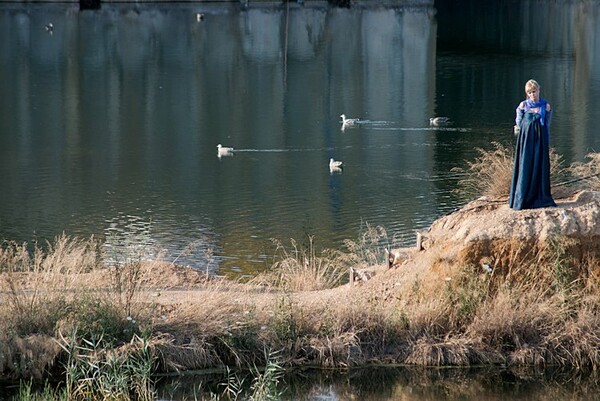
column 483, row 234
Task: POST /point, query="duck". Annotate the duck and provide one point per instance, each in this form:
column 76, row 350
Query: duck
column 346, row 122
column 224, row 151
column 334, row 165
column 437, row 121
column 49, row 27
column 199, row 17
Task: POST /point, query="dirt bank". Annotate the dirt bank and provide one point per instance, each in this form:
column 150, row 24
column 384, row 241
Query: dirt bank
column 490, row 286
column 483, row 233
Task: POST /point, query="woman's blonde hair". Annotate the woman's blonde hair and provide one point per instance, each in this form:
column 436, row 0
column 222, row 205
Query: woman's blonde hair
column 532, row 83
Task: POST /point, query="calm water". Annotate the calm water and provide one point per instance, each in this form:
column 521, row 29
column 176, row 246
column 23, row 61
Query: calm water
column 109, row 124
column 394, row 384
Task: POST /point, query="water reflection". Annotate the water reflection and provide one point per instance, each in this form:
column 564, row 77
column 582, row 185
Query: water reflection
column 306, row 31
column 510, row 42
column 410, row 384
column 117, row 113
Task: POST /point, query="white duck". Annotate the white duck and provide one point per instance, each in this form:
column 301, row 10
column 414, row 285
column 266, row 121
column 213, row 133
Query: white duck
column 437, row 121
column 224, row 151
column 335, row 165
column 347, row 122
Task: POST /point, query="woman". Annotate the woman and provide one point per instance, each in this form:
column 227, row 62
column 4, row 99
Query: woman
column 530, row 186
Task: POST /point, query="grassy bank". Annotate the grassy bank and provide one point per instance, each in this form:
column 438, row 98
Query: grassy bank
column 101, row 330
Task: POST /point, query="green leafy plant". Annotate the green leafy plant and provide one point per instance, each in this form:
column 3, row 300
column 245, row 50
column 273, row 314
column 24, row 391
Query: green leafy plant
column 96, row 371
column 27, row 392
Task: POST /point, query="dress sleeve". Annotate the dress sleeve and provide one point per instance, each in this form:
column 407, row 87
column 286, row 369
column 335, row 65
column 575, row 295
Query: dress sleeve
column 519, row 115
column 548, row 117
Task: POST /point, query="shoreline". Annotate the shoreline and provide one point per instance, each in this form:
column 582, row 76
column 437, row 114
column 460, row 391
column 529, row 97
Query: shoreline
column 476, row 295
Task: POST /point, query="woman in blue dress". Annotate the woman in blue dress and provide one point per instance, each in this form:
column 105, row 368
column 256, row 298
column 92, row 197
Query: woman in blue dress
column 530, row 187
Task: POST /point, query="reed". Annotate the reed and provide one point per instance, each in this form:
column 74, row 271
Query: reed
column 588, row 173
column 265, row 383
column 27, row 392
column 370, row 246
column 39, row 284
column 490, row 174
column 303, row 269
column 96, row 370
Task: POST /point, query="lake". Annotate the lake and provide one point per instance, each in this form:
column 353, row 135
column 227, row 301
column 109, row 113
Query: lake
column 109, row 121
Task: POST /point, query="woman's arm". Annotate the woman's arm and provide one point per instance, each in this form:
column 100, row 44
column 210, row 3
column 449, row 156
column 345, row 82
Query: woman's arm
column 519, row 114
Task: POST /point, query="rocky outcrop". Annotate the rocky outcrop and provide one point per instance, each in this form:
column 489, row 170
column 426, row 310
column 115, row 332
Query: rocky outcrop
column 488, row 231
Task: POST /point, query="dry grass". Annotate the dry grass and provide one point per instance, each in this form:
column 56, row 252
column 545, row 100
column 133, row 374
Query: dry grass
column 369, row 248
column 490, row 174
column 297, row 269
column 516, row 318
column 450, row 352
column 578, row 343
column 223, row 331
column 29, row 356
column 46, row 292
column 302, row 269
column 538, row 306
column 38, row 286
column 588, row 173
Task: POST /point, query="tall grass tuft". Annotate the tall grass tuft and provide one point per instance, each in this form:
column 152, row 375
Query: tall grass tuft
column 297, row 269
column 27, row 392
column 303, row 269
column 128, row 273
column 588, row 173
column 490, row 174
column 39, row 284
column 53, row 290
column 369, row 248
column 265, row 385
column 97, row 370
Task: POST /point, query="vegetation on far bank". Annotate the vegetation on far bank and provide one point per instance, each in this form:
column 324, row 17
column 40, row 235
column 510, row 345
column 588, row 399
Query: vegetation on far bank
column 104, row 330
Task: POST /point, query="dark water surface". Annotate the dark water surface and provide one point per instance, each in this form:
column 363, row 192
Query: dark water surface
column 408, row 384
column 109, row 123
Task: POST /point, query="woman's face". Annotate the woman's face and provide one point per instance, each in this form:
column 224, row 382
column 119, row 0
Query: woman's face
column 533, row 94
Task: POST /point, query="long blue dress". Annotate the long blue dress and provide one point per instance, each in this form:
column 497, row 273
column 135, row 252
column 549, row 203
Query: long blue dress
column 530, row 187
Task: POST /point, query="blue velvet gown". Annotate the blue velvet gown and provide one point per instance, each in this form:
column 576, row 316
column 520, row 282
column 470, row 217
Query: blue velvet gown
column 530, row 187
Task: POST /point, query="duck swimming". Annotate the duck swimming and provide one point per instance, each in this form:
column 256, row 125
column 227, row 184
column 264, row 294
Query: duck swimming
column 437, row 121
column 224, row 151
column 334, row 163
column 346, row 122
